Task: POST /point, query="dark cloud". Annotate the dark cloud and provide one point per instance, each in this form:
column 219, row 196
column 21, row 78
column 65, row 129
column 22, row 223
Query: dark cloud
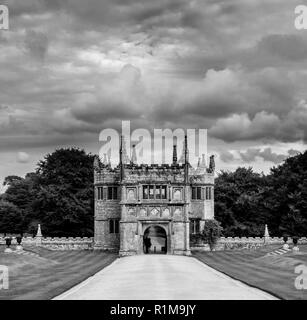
column 226, row 156
column 36, row 43
column 250, row 155
column 288, row 47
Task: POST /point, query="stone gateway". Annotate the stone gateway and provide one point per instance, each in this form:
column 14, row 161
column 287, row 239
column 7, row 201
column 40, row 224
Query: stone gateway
column 154, row 207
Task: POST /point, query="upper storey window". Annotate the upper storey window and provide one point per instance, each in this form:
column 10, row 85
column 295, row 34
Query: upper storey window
column 99, row 193
column 112, row 193
column 154, row 192
column 109, row 193
column 196, row 193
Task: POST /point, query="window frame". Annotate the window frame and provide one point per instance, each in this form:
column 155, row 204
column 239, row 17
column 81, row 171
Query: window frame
column 208, row 193
column 99, row 193
column 154, row 192
column 112, row 193
column 114, row 226
column 195, row 225
column 197, row 193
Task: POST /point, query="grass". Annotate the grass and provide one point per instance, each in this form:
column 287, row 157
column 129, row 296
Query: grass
column 274, row 274
column 51, row 273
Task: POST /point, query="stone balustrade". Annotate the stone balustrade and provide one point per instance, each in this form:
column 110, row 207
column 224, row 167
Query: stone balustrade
column 56, row 243
column 240, row 243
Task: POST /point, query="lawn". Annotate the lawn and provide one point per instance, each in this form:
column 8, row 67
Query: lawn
column 50, row 273
column 274, row 274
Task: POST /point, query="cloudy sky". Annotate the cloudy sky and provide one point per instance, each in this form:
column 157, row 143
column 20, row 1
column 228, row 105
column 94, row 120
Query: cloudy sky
column 70, row 68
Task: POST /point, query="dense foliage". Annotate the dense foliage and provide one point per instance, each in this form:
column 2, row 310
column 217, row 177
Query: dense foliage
column 59, row 196
column 245, row 201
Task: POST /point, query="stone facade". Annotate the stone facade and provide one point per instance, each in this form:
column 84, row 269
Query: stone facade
column 130, row 199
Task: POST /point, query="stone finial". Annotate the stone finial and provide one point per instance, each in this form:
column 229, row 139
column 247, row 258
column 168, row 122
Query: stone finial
column 174, row 154
column 266, row 232
column 39, row 231
column 105, row 161
column 212, row 164
column 203, row 163
column 133, row 157
column 125, row 158
column 198, row 169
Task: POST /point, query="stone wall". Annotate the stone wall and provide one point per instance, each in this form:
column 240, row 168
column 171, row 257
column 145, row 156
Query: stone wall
column 57, row 243
column 237, row 243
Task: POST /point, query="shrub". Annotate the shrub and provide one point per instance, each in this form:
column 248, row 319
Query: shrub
column 211, row 233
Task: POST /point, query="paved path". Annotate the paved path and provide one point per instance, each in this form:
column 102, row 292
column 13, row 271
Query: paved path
column 160, row 277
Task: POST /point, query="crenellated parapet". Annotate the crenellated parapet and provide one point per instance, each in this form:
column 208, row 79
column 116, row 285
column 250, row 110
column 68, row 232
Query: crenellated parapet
column 151, row 173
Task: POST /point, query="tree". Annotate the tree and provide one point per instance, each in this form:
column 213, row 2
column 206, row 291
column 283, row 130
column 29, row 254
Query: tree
column 245, row 201
column 238, row 204
column 64, row 203
column 288, row 196
column 59, row 195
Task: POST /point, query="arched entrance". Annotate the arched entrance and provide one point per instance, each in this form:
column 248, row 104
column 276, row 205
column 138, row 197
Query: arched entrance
column 155, row 240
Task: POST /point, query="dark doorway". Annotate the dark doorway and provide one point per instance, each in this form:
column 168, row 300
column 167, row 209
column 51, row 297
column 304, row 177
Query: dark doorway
column 155, row 240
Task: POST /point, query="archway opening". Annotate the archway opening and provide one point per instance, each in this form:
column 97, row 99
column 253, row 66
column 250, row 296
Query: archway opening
column 155, row 240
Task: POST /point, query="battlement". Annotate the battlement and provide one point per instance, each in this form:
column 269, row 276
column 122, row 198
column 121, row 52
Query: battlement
column 173, row 173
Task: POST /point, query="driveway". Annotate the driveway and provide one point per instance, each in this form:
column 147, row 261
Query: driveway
column 159, row 277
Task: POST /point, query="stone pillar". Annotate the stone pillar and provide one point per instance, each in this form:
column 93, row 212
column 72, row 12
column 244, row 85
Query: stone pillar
column 187, row 238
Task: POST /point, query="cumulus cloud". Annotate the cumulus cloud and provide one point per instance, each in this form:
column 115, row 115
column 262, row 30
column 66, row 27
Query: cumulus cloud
column 72, row 68
column 241, row 127
column 23, row 157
